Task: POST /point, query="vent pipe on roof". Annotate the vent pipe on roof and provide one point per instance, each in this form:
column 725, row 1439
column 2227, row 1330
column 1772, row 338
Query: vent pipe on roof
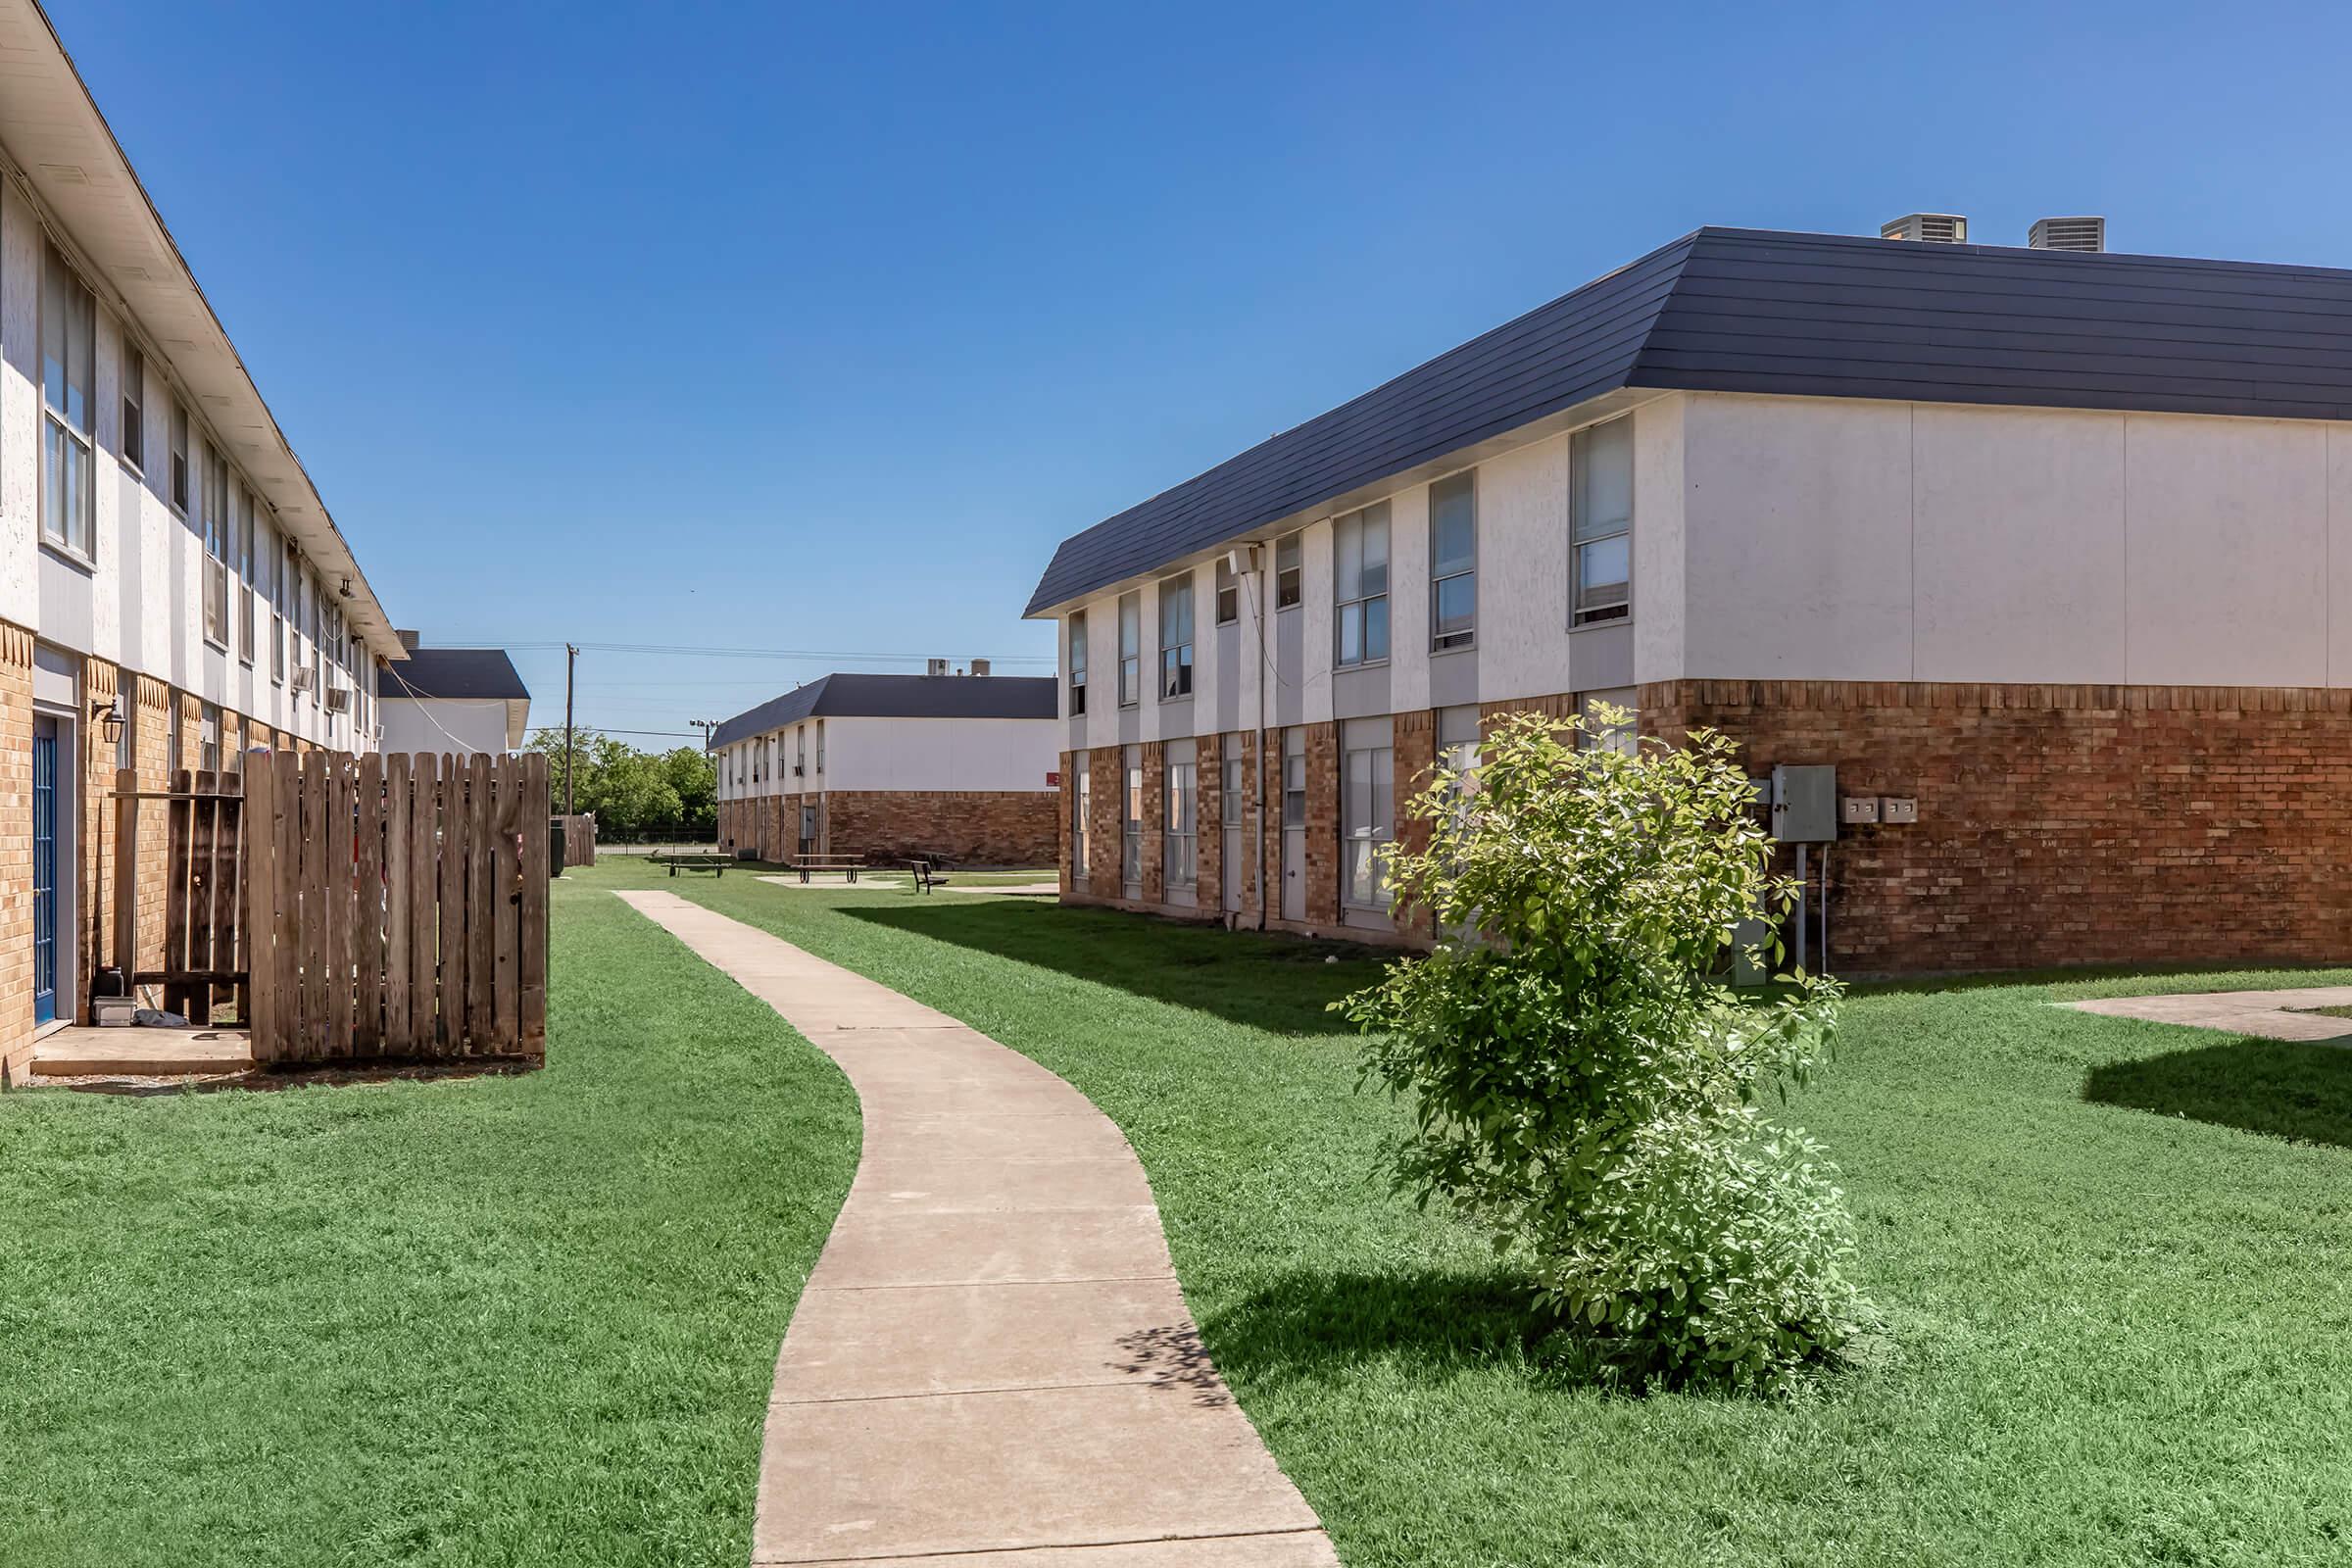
column 1936, row 228
column 2067, row 234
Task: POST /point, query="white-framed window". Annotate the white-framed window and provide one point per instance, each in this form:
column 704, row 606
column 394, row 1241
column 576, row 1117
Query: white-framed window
column 1454, row 561
column 1294, row 787
column 1458, row 740
column 1176, row 637
column 1131, row 649
column 1621, row 736
column 134, row 407
column 246, row 648
column 1181, row 851
column 820, row 748
column 800, row 751
column 1081, row 796
column 1360, row 586
column 1077, row 664
column 208, row 738
column 216, row 547
column 1366, row 822
column 69, row 386
column 1229, row 593
column 290, row 574
column 1290, row 573
column 316, row 595
column 1601, row 522
column 180, row 459
column 273, row 578
column 1230, row 792
column 1131, row 821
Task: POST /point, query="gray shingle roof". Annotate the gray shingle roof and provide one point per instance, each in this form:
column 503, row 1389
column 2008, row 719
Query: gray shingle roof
column 461, row 673
column 1807, row 314
column 857, row 695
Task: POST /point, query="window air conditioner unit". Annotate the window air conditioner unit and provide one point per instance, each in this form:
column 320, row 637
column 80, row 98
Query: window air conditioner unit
column 338, row 700
column 302, row 679
column 799, row 768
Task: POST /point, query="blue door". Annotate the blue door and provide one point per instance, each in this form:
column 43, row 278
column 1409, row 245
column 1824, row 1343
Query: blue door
column 44, row 869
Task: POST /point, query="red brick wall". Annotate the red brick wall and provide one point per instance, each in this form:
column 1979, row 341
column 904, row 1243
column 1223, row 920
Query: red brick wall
column 1154, row 823
column 1104, row 827
column 1323, row 825
column 16, row 851
column 1209, row 773
column 967, row 827
column 2065, row 825
column 1413, row 752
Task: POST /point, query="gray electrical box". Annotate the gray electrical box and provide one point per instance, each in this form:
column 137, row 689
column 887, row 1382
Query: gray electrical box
column 1804, row 805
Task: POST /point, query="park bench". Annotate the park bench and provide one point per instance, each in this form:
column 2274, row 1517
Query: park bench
column 714, row 862
column 805, row 864
column 928, row 872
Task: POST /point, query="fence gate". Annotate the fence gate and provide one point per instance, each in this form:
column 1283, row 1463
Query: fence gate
column 396, row 905
column 203, row 955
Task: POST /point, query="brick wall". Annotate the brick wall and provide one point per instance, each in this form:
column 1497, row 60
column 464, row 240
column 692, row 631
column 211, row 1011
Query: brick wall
column 1209, row 772
column 1413, row 752
column 16, row 851
column 1322, row 826
column 2065, row 825
column 968, row 827
column 1154, row 821
column 99, row 681
column 152, row 714
column 1103, row 824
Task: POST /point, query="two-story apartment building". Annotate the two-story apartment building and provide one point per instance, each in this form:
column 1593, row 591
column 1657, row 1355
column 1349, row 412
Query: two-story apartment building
column 2035, row 546
column 173, row 590
column 884, row 767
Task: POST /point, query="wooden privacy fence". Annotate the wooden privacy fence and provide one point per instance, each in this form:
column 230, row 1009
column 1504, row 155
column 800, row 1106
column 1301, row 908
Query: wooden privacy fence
column 203, row 899
column 394, row 907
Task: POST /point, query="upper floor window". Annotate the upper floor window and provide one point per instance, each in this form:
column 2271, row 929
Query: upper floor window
column 1131, row 649
column 134, row 407
column 1601, row 522
column 247, row 643
column 1176, row 637
column 180, row 459
column 1078, row 663
column 217, row 529
column 800, row 751
column 1229, row 593
column 821, row 747
column 1454, row 561
column 68, row 361
column 1361, row 578
column 1289, row 575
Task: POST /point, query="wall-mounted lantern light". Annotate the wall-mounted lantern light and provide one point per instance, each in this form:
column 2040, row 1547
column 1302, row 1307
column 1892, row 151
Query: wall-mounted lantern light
column 109, row 715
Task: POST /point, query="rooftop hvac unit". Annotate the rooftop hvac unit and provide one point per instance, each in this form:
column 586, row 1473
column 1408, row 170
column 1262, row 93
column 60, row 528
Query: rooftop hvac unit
column 338, row 699
column 1936, row 228
column 979, row 666
column 2067, row 234
column 936, row 666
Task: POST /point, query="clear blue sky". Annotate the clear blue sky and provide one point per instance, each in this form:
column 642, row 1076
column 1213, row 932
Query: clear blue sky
column 799, row 327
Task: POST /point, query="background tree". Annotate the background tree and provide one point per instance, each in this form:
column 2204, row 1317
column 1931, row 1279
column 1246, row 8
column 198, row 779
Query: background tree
column 1583, row 1085
column 633, row 794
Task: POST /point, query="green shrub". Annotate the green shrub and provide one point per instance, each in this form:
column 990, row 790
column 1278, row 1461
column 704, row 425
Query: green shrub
column 1586, row 1086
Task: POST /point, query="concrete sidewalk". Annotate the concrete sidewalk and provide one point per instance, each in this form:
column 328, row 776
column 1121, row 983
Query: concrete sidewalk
column 2265, row 1014
column 992, row 1365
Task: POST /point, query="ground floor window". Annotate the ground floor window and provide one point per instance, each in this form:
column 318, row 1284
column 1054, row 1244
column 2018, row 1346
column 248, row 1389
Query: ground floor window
column 1131, row 822
column 1621, row 737
column 1367, row 811
column 1183, row 847
column 1230, row 792
column 208, row 733
column 1081, row 795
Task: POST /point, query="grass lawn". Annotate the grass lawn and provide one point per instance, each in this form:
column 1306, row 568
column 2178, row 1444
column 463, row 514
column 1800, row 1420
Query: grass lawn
column 2115, row 1257
column 493, row 1321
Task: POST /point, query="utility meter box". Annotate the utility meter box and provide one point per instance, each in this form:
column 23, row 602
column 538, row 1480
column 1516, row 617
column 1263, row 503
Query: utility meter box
column 1804, row 804
column 1860, row 809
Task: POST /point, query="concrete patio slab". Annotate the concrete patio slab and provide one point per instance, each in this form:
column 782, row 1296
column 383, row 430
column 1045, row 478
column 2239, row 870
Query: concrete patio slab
column 991, row 1363
column 80, row 1050
column 2265, row 1014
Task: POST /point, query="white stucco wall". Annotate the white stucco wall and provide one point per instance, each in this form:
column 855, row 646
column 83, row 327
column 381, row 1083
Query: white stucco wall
column 941, row 753
column 444, row 724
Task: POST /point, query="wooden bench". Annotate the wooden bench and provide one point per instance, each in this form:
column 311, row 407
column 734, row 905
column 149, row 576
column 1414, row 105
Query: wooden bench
column 847, row 863
column 929, row 873
column 714, row 862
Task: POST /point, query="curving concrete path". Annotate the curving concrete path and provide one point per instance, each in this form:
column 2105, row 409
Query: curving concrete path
column 992, row 1365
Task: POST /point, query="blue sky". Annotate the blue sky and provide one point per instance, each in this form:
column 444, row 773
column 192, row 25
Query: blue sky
column 769, row 326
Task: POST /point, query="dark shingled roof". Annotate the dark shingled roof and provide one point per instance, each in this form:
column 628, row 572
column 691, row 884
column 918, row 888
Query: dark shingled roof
column 452, row 672
column 1804, row 314
column 898, row 697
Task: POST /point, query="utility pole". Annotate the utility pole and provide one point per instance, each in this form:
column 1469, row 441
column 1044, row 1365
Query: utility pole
column 571, row 655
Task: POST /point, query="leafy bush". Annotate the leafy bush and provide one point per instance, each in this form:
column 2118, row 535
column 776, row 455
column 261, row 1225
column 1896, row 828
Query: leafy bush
column 1586, row 1084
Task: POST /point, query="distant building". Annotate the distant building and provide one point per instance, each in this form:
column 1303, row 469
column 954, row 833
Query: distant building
column 889, row 766
column 465, row 700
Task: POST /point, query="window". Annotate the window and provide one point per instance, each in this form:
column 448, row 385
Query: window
column 1601, row 522
column 800, row 751
column 274, row 590
column 1229, row 804
column 1176, row 637
column 1458, row 740
column 1294, row 788
column 216, row 547
column 134, row 401
column 1289, row 576
column 1131, row 649
column 1621, row 736
column 318, row 634
column 1181, row 852
column 1078, row 663
column 180, row 459
column 68, row 373
column 207, row 739
column 1370, row 775
column 245, row 633
column 290, row 575
column 1360, row 574
column 1131, row 822
column 1452, row 560
column 1229, row 593
column 820, row 748
column 1081, row 798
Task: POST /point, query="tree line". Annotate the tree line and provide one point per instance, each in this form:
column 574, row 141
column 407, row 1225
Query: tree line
column 633, row 794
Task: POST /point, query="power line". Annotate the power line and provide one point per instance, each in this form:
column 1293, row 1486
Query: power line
column 717, row 652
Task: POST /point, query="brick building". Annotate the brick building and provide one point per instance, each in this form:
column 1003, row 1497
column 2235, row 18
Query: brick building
column 168, row 572
column 2036, row 543
column 889, row 766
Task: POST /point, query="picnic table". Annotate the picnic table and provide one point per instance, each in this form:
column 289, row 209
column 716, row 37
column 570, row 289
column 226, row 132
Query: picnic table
column 805, row 864
column 714, row 862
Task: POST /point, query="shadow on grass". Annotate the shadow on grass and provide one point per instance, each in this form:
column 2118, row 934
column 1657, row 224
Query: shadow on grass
column 1426, row 1323
column 2288, row 1088
column 1275, row 983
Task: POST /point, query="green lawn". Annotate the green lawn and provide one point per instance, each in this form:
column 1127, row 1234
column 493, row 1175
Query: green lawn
column 2119, row 1297
column 525, row 1320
